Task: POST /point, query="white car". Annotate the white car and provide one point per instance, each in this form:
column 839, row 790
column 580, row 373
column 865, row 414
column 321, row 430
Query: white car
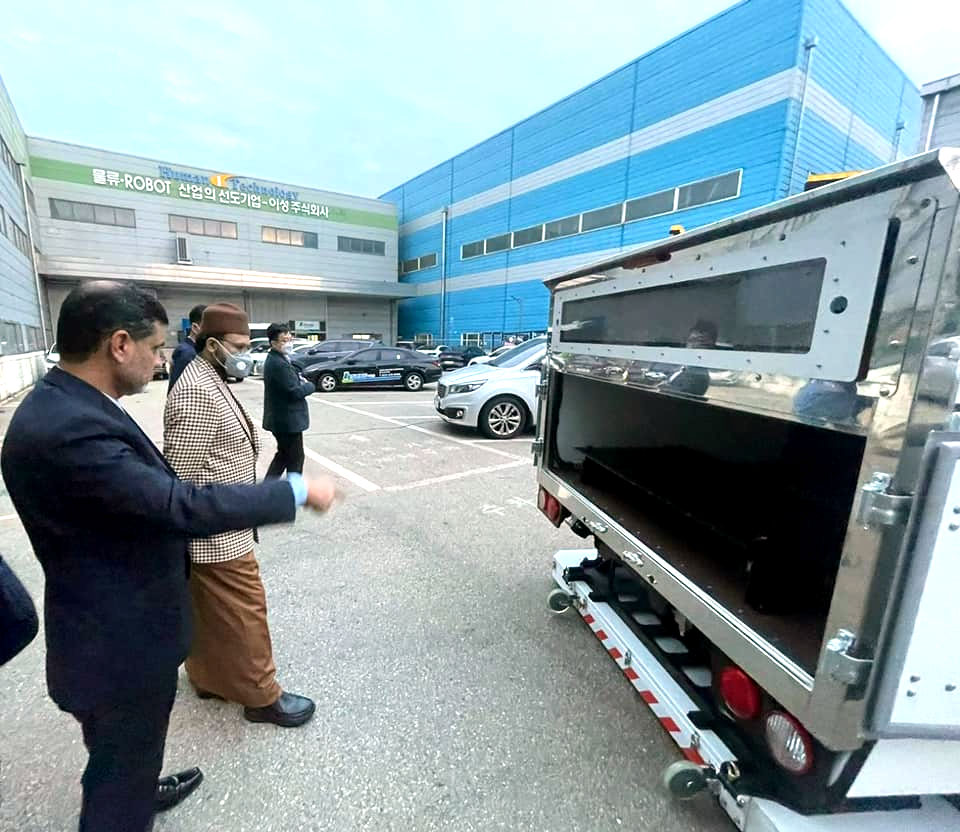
column 52, row 358
column 260, row 349
column 486, row 359
column 433, row 351
column 500, row 397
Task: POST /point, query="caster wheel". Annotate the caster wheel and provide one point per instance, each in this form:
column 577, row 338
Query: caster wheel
column 683, row 779
column 559, row 601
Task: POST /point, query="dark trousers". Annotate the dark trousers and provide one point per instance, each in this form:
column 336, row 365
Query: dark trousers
column 289, row 456
column 125, row 743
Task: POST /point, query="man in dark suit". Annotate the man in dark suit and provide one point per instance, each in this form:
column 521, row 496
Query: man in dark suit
column 110, row 523
column 285, row 412
column 186, row 350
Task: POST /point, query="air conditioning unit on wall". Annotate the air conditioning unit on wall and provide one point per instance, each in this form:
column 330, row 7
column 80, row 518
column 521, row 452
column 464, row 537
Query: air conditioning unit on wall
column 183, row 250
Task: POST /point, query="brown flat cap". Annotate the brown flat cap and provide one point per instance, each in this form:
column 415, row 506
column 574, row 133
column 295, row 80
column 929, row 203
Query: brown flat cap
column 224, row 319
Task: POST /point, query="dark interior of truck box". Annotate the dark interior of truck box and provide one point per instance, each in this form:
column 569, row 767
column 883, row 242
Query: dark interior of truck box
column 752, row 508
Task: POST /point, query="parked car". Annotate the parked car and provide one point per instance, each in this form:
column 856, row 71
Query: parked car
column 260, row 351
column 457, row 357
column 434, row 351
column 52, row 358
column 500, row 397
column 383, row 366
column 326, row 351
column 484, row 359
column 161, row 367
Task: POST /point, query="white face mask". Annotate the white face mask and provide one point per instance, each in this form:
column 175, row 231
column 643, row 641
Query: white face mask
column 288, row 347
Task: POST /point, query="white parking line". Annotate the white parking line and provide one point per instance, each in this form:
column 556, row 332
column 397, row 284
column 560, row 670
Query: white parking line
column 442, row 437
column 457, row 476
column 340, row 471
column 421, row 403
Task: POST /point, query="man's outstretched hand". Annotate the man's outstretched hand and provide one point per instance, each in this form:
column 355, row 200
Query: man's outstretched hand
column 321, row 493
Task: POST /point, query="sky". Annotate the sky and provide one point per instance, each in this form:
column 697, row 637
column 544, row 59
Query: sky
column 358, row 96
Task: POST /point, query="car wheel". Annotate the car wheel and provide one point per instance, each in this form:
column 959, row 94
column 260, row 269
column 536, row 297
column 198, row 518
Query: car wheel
column 327, row 383
column 503, row 418
column 413, row 382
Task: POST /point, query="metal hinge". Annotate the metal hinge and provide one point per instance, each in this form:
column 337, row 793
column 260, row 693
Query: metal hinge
column 536, row 448
column 840, row 665
column 542, row 388
column 878, row 507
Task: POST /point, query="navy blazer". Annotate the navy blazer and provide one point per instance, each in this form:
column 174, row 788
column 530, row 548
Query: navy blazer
column 284, row 396
column 185, row 352
column 110, row 523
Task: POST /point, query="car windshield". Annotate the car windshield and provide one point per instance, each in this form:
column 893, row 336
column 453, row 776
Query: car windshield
column 520, row 354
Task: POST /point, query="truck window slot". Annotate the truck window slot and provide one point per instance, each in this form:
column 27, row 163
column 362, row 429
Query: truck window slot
column 752, row 508
column 772, row 309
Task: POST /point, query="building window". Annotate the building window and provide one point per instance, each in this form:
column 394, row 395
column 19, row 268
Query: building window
column 9, row 161
column 64, row 209
column 602, row 217
column 415, row 264
column 653, row 205
column 499, row 243
column 357, row 245
column 561, row 228
column 203, row 227
column 715, row 189
column 471, row 250
column 18, row 237
column 527, row 236
column 11, row 339
column 288, row 237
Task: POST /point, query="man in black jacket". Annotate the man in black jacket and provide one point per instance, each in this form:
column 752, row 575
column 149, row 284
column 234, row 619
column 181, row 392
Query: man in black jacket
column 110, row 523
column 186, row 350
column 285, row 412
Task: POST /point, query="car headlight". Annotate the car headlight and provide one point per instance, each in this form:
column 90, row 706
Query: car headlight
column 466, row 388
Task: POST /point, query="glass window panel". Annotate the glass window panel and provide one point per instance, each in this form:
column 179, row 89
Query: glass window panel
column 411, row 265
column 83, row 212
column 379, row 248
column 61, row 209
column 428, row 261
column 211, row 228
column 104, row 215
column 194, row 225
column 651, row 205
column 561, row 228
column 126, row 217
column 310, row 239
column 709, row 190
column 759, row 310
column 528, row 235
column 602, row 218
column 283, row 236
column 499, row 243
column 472, row 250
column 178, row 223
column 296, row 238
column 268, row 234
column 228, row 230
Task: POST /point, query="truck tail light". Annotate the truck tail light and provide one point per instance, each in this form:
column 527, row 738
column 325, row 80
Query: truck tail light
column 550, row 506
column 789, row 742
column 739, row 693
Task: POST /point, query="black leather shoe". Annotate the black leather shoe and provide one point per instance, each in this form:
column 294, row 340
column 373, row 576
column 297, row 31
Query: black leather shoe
column 288, row 711
column 173, row 789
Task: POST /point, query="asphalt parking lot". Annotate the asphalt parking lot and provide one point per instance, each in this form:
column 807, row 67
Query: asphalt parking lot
column 449, row 698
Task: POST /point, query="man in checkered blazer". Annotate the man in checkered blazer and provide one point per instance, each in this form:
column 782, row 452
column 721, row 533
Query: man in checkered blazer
column 210, row 438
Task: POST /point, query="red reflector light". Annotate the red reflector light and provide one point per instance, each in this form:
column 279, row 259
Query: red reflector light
column 740, row 693
column 550, row 506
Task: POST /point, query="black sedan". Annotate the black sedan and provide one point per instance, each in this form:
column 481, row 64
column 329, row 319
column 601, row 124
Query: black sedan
column 382, row 366
column 457, row 357
column 326, row 352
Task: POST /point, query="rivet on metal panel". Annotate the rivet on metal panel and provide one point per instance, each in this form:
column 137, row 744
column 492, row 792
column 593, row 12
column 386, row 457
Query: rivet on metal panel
column 950, row 688
column 956, row 509
column 741, row 800
column 886, row 392
column 914, row 678
column 925, row 203
column 699, row 256
column 954, row 526
column 911, row 693
column 694, row 740
column 783, row 237
column 652, row 579
column 913, row 259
